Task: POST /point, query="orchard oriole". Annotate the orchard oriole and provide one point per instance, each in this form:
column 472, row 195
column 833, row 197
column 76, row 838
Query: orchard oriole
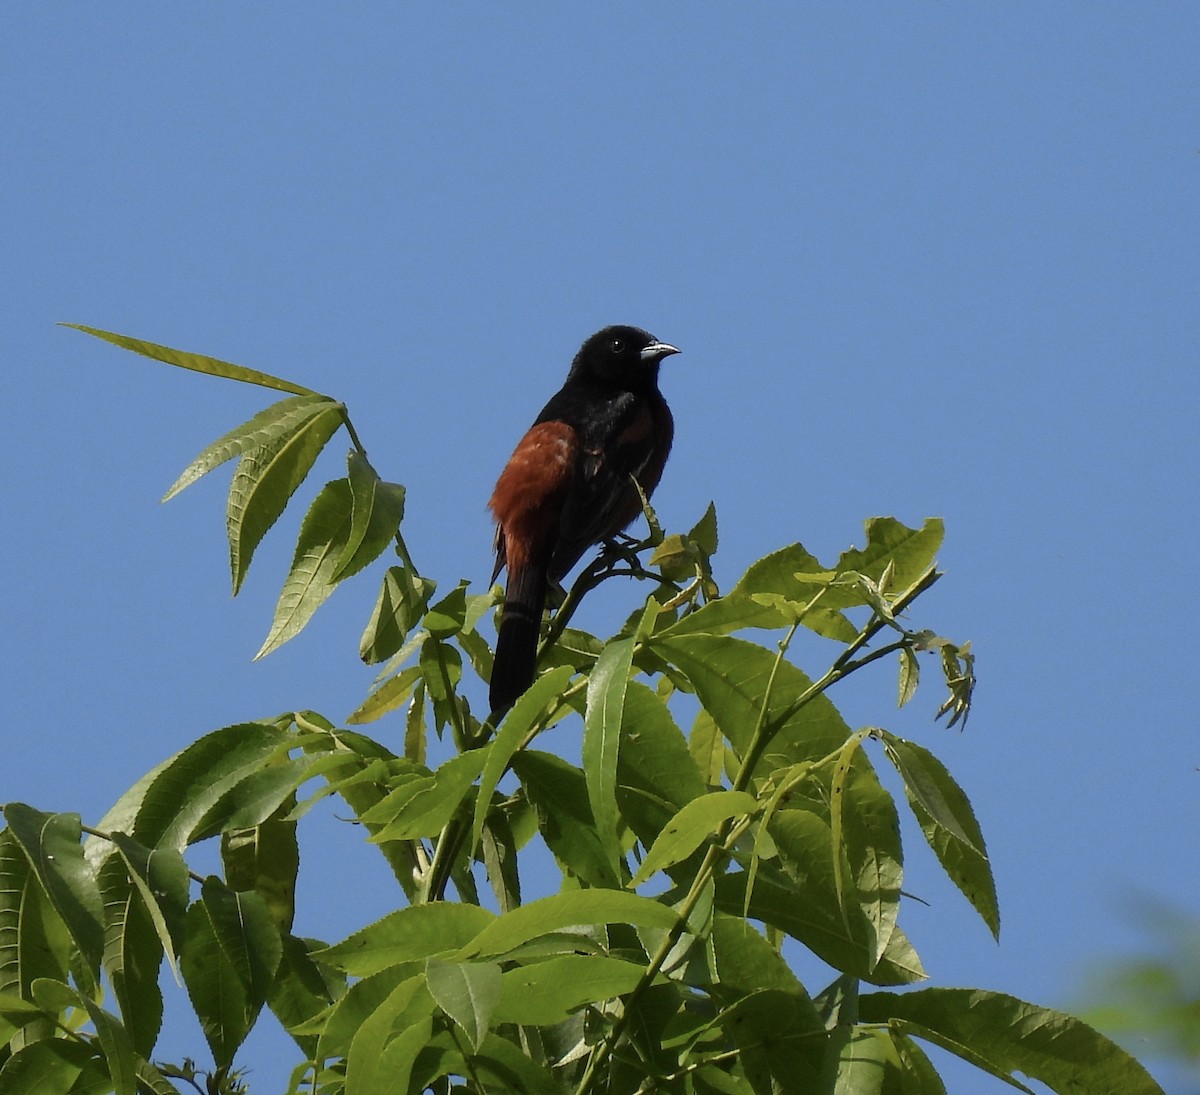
column 568, row 484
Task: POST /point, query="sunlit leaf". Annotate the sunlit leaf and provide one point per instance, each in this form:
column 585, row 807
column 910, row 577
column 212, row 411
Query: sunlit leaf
column 323, row 535
column 277, row 420
column 378, row 509
column 948, row 824
column 196, row 362
column 547, row 992
column 564, row 910
column 690, row 827
column 410, row 934
column 1006, row 1035
column 265, row 479
column 519, row 721
column 402, row 598
column 607, row 685
column 467, row 992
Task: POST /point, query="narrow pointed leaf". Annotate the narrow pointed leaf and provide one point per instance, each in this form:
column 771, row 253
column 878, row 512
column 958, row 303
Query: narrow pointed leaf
column 1007, row 1035
column 857, row 1062
column 656, row 774
column 371, row 1065
column 274, row 421
column 378, row 511
column 402, row 598
column 690, row 827
column 266, row 478
column 196, row 362
column 517, row 724
column 114, row 1040
column 948, row 823
column 422, row 806
column 266, row 859
column 323, row 535
column 550, row 914
column 161, row 879
column 47, row 1067
column 607, row 685
column 387, row 697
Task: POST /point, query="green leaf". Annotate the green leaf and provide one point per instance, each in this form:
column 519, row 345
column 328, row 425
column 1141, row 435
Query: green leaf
column 547, row 992
column 890, row 544
column 1005, row 1035
column 271, row 422
column 917, row 1076
column 265, row 858
column 161, row 879
column 467, row 992
column 566, row 910
column 247, row 935
column 690, row 827
column 302, row 989
column 603, row 715
column 261, row 792
column 944, row 813
column 411, row 934
column 402, row 598
column 196, row 362
column 48, row 1067
column 770, row 595
column 165, row 806
column 704, row 532
column 449, row 615
column 51, row 843
column 387, row 697
column 114, row 1040
column 216, row 990
column 373, row 1065
column 337, row 1026
column 558, row 792
column 145, row 894
column 733, row 678
column 33, row 938
column 804, row 905
column 265, row 479
column 774, row 1052
column 324, row 534
column 378, row 509
column 745, row 962
column 910, row 673
column 422, row 806
column 655, row 772
column 856, row 1061
column 519, row 722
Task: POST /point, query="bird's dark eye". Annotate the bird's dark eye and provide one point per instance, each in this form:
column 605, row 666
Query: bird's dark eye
column 617, row 346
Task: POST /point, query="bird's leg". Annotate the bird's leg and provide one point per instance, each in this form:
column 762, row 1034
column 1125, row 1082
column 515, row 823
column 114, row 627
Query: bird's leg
column 620, row 548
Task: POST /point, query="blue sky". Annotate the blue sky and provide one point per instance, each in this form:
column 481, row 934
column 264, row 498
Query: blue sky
column 922, row 260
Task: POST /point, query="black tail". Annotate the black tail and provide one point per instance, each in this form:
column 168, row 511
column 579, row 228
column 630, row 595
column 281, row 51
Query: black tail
column 516, row 644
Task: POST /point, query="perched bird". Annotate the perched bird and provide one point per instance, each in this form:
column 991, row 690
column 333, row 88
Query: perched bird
column 567, row 484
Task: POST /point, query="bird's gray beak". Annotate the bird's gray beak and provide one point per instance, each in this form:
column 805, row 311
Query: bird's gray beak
column 658, row 350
